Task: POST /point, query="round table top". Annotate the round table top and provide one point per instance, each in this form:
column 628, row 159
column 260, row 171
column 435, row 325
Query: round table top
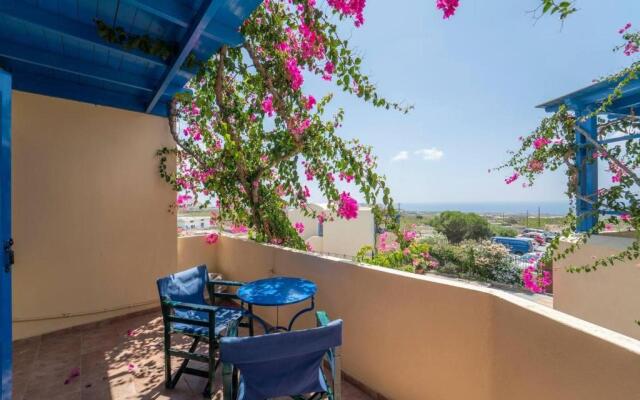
column 277, row 291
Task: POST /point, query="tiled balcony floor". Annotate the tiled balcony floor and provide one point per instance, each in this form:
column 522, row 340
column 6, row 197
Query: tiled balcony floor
column 119, row 360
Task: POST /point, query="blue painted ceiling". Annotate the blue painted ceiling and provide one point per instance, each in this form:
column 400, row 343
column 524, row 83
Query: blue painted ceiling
column 52, row 47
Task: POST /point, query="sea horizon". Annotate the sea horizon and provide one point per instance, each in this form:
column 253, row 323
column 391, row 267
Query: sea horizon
column 555, row 208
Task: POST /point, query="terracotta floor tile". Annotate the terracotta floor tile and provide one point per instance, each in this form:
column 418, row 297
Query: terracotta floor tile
column 118, row 360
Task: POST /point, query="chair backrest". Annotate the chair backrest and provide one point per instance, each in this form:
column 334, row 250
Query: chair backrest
column 187, row 286
column 281, row 364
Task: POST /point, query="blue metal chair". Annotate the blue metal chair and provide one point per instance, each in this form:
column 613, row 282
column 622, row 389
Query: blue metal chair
column 282, row 364
column 185, row 311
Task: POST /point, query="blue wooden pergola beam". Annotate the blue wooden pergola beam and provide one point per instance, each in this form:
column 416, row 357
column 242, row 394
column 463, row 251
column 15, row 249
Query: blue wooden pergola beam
column 71, row 28
column 620, row 138
column 587, row 173
column 180, row 15
column 76, row 91
column 205, row 14
column 53, row 61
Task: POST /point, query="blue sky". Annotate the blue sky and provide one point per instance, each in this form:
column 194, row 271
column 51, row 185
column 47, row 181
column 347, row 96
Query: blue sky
column 474, row 81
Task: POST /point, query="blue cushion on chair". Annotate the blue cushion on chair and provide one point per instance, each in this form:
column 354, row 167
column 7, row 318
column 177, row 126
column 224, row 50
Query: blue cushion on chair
column 281, row 364
column 223, row 317
column 186, row 286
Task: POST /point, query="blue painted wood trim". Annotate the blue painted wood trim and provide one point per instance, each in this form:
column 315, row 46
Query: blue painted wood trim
column 205, row 14
column 5, row 235
column 87, row 94
column 181, row 15
column 620, row 138
column 86, row 33
column 587, row 174
column 57, row 62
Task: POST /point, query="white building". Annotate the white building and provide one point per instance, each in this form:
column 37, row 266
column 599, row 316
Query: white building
column 339, row 237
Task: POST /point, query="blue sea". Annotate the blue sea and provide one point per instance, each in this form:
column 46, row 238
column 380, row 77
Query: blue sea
column 556, row 208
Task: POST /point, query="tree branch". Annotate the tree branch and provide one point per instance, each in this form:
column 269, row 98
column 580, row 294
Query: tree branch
column 173, row 129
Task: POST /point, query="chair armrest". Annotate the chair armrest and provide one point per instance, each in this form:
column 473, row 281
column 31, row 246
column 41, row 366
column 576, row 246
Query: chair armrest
column 322, row 318
column 190, row 306
column 211, row 288
column 225, row 283
column 232, row 328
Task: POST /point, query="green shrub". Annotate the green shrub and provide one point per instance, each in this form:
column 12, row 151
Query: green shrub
column 484, row 260
column 498, row 230
column 458, row 226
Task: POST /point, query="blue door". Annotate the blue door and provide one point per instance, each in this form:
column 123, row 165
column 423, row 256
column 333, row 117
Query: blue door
column 6, row 253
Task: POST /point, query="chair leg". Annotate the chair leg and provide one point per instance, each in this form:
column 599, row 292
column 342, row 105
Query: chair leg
column 209, row 389
column 167, row 357
column 184, row 363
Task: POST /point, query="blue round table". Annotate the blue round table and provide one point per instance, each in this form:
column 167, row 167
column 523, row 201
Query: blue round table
column 276, row 292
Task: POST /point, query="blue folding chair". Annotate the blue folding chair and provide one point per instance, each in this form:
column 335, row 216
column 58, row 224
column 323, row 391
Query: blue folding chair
column 282, row 364
column 185, row 311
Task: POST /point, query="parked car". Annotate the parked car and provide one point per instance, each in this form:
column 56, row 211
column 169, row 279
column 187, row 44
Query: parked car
column 548, row 236
column 538, row 237
column 517, row 245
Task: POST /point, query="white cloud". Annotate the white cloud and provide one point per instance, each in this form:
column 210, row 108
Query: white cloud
column 431, row 154
column 403, row 155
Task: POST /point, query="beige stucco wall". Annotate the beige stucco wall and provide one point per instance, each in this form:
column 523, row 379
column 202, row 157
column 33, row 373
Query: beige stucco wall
column 340, row 237
column 427, row 337
column 609, row 296
column 90, row 214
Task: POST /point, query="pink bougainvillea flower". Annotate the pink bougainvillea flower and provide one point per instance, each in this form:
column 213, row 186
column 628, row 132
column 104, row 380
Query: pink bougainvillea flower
column 131, row 367
column 194, row 111
column 212, row 238
column 267, row 105
column 625, row 217
column 352, row 8
column 73, row 374
column 309, row 247
column 512, row 178
column 631, row 48
column 534, row 280
column 608, row 227
column 345, row 177
column 308, row 171
column 387, row 244
column 321, row 217
column 624, row 28
column 310, row 102
column 330, row 177
column 306, row 193
column 541, row 142
column 328, row 71
column 239, row 229
column 347, row 206
column 409, row 235
column 194, row 132
column 448, row 7
column 183, row 200
column 299, row 227
column 617, row 177
column 295, row 76
column 131, row 332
